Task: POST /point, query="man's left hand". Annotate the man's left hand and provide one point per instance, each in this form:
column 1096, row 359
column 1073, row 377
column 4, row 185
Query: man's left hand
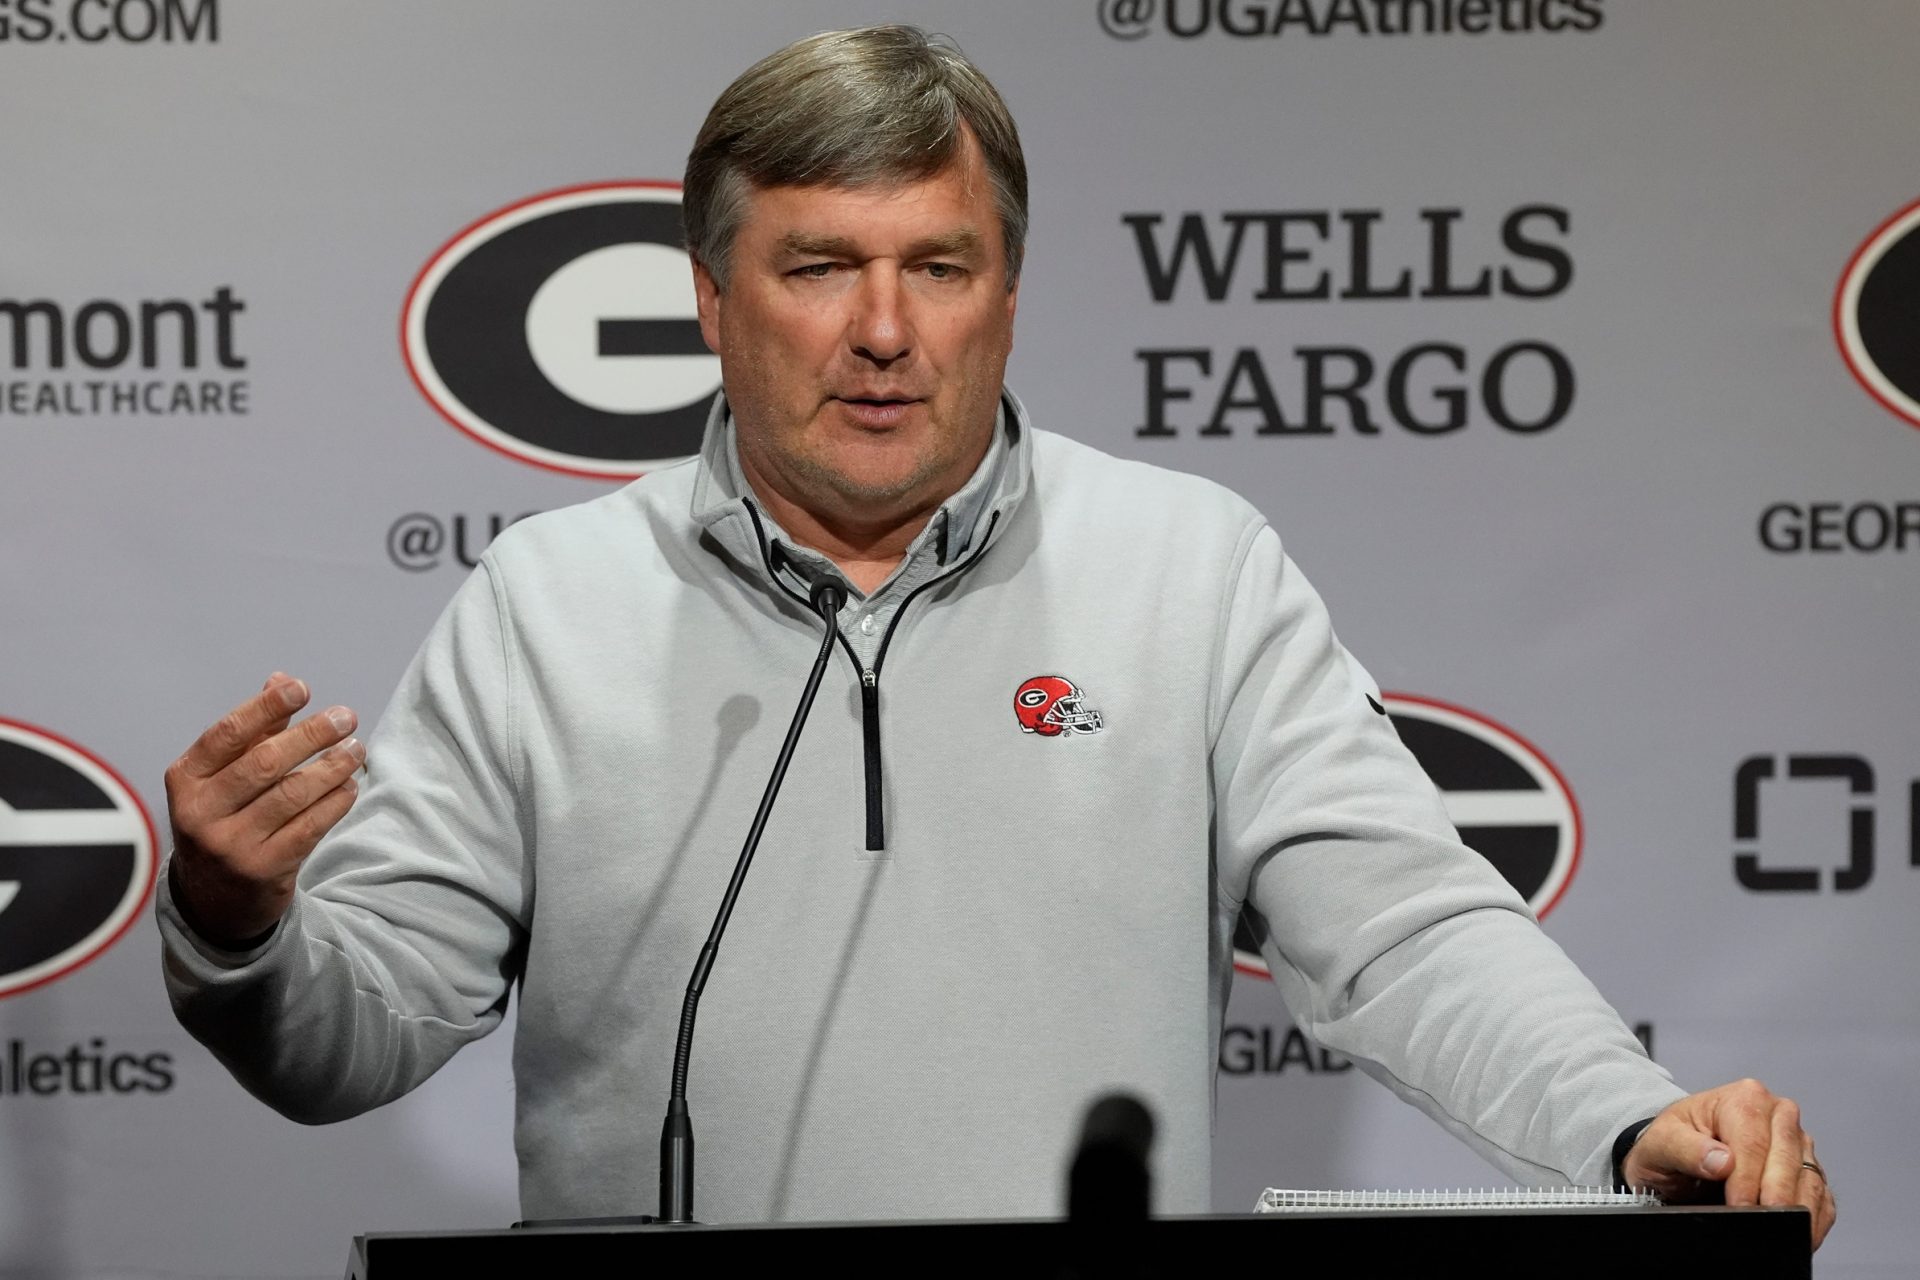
column 1741, row 1135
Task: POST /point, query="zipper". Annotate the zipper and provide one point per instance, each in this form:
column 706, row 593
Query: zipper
column 870, row 742
column 870, row 678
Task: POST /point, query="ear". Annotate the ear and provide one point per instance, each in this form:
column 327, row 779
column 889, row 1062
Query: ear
column 1013, row 304
column 706, row 294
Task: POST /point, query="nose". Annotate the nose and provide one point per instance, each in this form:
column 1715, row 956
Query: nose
column 880, row 330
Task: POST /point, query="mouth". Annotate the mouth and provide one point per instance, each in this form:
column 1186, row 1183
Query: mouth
column 877, row 411
column 878, row 399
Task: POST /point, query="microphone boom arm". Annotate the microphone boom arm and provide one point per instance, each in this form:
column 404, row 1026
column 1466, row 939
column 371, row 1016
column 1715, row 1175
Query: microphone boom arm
column 676, row 1132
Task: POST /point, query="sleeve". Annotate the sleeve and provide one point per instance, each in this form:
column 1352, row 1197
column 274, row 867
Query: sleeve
column 1389, row 939
column 409, row 922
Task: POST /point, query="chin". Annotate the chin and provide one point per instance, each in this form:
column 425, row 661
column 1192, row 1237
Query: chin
column 877, row 468
column 876, row 490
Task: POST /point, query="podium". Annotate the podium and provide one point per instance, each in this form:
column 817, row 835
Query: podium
column 1567, row 1244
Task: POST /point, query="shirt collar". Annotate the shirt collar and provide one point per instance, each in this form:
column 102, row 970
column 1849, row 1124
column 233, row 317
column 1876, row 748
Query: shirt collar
column 996, row 486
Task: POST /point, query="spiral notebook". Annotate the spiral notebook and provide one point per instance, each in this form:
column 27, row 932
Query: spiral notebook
column 1275, row 1200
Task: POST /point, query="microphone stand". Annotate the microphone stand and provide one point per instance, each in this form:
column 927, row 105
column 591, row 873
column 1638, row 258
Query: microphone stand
column 676, row 1133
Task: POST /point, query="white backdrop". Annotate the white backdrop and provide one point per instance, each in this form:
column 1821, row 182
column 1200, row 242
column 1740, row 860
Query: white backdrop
column 1643, row 510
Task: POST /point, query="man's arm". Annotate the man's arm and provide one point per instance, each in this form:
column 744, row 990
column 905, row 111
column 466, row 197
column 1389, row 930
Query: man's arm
column 402, row 938
column 1395, row 944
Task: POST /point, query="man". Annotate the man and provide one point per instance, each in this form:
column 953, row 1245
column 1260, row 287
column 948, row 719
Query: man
column 1088, row 711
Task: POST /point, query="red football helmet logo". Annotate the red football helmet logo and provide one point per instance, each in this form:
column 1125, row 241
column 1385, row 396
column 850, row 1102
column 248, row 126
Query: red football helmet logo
column 1051, row 706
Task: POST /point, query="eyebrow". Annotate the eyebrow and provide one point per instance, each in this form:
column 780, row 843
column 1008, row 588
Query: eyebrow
column 956, row 243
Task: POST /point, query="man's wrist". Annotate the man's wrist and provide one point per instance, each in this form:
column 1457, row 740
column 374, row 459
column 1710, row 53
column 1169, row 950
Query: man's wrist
column 1622, row 1145
column 200, row 931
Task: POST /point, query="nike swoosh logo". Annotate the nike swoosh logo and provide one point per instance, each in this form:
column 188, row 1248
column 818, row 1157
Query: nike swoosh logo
column 1375, row 705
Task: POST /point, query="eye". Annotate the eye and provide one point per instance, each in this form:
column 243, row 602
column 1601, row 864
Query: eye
column 942, row 271
column 813, row 271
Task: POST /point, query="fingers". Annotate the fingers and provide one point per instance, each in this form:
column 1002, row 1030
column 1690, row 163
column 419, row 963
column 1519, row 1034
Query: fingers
column 1742, row 1134
column 1773, row 1160
column 293, row 793
column 266, row 712
column 291, row 844
column 239, row 782
column 1780, row 1178
column 245, row 815
column 235, row 886
column 1743, row 1119
column 1817, row 1194
column 1676, row 1154
column 267, row 762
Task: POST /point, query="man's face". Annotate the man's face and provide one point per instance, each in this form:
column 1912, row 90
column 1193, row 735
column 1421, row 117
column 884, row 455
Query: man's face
column 863, row 337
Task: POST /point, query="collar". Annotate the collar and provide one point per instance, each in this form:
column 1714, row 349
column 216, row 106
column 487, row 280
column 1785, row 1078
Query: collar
column 971, row 515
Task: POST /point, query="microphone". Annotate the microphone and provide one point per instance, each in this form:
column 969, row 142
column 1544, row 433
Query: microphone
column 676, row 1132
column 1108, row 1184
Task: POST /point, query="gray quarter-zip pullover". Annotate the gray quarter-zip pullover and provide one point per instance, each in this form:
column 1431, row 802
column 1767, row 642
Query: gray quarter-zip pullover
column 908, row 1026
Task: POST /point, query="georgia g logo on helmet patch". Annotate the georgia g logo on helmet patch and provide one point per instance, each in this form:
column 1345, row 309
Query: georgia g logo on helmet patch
column 1052, row 706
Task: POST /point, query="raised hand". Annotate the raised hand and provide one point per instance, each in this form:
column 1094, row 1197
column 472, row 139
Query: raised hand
column 245, row 813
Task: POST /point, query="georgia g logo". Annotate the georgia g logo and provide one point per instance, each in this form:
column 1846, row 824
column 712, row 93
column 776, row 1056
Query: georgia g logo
column 562, row 331
column 76, row 856
column 1051, row 706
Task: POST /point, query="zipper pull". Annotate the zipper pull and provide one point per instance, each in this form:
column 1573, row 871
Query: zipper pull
column 871, row 679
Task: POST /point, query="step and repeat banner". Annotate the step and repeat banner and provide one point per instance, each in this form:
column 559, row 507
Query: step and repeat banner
column 1573, row 346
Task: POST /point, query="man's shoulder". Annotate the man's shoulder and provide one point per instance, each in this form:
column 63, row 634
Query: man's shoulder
column 1078, row 479
column 631, row 521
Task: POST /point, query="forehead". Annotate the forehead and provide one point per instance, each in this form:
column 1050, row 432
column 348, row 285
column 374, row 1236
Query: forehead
column 936, row 206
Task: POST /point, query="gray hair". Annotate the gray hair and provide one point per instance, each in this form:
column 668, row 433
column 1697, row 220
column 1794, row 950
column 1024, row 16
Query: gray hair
column 872, row 106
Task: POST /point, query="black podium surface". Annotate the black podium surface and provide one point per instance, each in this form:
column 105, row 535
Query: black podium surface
column 1566, row 1244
